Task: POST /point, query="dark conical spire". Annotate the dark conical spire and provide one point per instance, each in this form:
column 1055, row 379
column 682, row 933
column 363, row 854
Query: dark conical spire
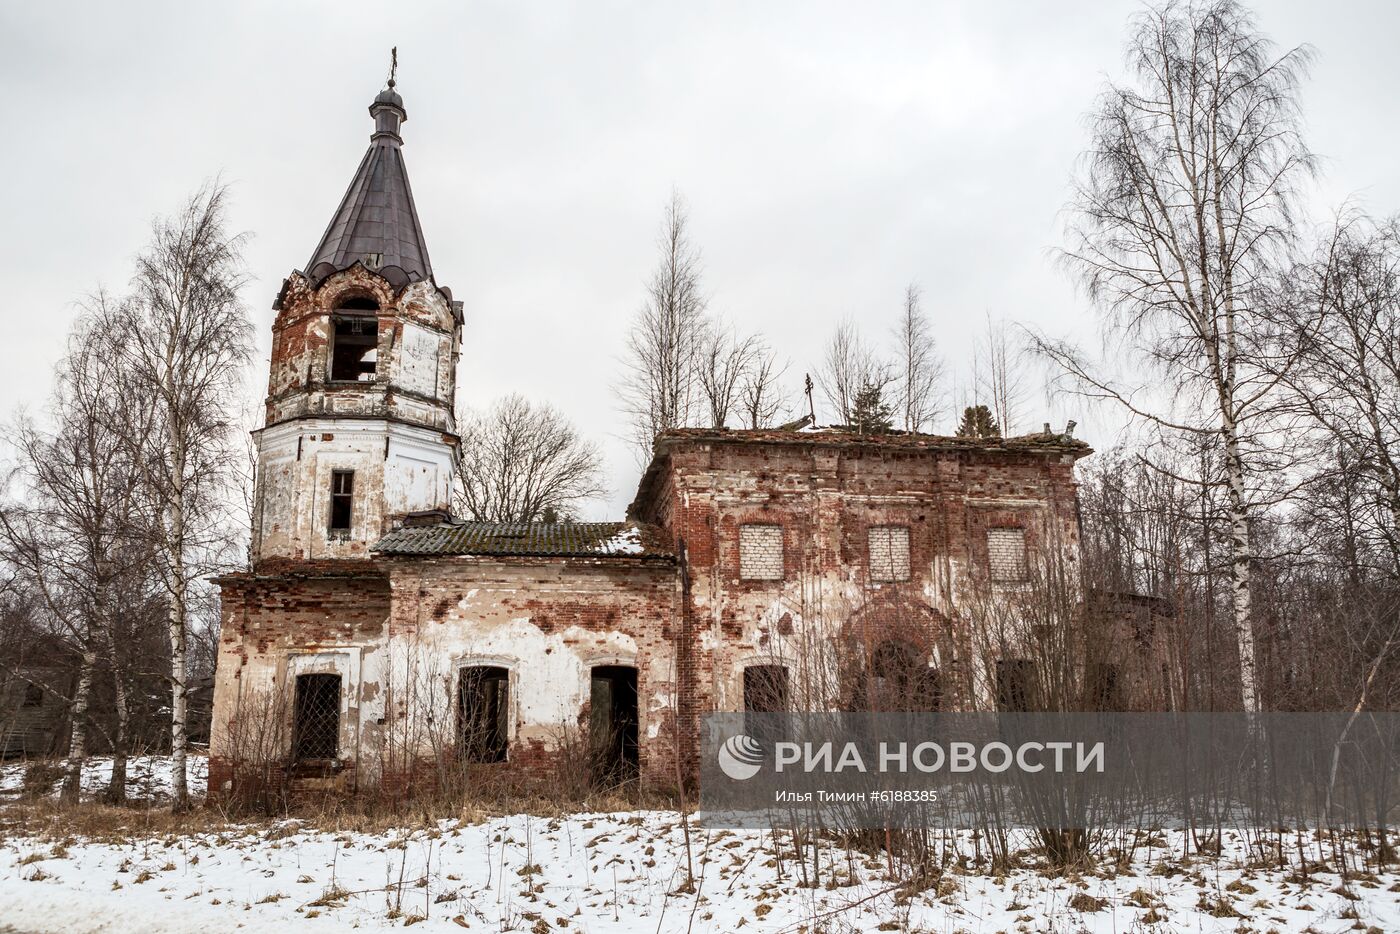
column 377, row 223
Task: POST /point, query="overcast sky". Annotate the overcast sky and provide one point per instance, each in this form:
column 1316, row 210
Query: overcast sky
column 831, row 154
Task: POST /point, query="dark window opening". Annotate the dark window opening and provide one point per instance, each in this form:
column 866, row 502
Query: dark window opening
column 899, row 680
column 354, row 346
column 483, row 711
column 33, row 695
column 316, row 725
column 612, row 724
column 342, row 498
column 766, row 689
column 1015, row 684
column 765, row 692
column 1101, row 691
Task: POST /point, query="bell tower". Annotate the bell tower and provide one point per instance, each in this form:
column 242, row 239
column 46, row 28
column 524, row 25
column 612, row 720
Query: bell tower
column 360, row 425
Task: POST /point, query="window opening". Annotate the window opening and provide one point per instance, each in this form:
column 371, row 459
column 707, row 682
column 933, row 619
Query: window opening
column 316, row 727
column 483, row 711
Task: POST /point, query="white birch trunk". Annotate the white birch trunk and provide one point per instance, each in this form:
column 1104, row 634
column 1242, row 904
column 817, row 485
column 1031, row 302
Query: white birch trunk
column 77, row 744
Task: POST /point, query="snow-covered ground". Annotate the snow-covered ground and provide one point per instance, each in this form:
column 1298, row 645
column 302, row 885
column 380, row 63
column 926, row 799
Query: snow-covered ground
column 147, row 777
column 626, row 872
column 618, row 873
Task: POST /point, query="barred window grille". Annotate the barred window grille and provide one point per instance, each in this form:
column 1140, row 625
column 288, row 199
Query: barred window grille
column 889, row 553
column 316, row 733
column 761, row 552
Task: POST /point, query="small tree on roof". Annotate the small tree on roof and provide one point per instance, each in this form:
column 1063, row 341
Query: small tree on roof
column 871, row 414
column 977, row 422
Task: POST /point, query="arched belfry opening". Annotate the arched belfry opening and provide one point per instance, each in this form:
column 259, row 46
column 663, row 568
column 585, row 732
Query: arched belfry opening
column 355, row 340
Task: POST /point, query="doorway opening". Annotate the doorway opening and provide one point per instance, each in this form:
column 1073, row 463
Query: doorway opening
column 483, row 709
column 612, row 724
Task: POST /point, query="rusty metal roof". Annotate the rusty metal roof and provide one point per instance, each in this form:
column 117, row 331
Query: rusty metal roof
column 540, row 539
column 377, row 222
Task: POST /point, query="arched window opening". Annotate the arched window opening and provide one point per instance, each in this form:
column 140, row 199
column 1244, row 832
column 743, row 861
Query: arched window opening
column 355, row 340
column 899, row 680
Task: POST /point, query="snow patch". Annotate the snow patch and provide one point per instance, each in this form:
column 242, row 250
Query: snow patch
column 627, row 541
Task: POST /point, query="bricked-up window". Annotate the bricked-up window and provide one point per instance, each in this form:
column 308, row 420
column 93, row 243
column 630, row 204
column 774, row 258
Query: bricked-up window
column 761, row 552
column 316, row 726
column 483, row 711
column 355, row 344
column 889, row 553
column 1006, row 554
column 342, row 498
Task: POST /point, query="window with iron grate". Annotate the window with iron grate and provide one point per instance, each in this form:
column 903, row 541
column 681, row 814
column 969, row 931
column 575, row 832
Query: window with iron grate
column 316, row 723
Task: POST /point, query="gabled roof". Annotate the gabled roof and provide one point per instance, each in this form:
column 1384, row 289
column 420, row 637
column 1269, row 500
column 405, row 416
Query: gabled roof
column 540, row 539
column 377, row 222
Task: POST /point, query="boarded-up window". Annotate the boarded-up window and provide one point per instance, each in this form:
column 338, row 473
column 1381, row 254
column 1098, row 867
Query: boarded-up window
column 1006, row 554
column 761, row 552
column 889, row 553
column 316, row 727
column 483, row 709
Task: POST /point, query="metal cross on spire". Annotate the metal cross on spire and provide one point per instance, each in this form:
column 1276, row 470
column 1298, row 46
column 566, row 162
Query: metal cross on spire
column 393, row 64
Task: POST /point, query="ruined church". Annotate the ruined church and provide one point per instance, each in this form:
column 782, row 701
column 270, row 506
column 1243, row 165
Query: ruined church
column 374, row 633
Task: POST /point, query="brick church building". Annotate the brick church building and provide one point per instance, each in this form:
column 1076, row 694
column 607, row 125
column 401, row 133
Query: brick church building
column 755, row 570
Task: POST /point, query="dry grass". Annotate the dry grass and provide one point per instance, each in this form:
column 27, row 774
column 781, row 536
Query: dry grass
column 46, row 819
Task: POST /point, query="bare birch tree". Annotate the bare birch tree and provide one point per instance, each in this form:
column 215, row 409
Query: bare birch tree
column 997, row 377
column 660, row 389
column 1344, row 372
column 188, row 341
column 1183, row 215
column 921, row 370
column 724, row 362
column 761, row 399
column 72, row 535
column 523, row 462
column 849, row 367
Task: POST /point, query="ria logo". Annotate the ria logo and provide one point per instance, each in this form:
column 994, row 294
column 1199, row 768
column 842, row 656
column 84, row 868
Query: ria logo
column 740, row 757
